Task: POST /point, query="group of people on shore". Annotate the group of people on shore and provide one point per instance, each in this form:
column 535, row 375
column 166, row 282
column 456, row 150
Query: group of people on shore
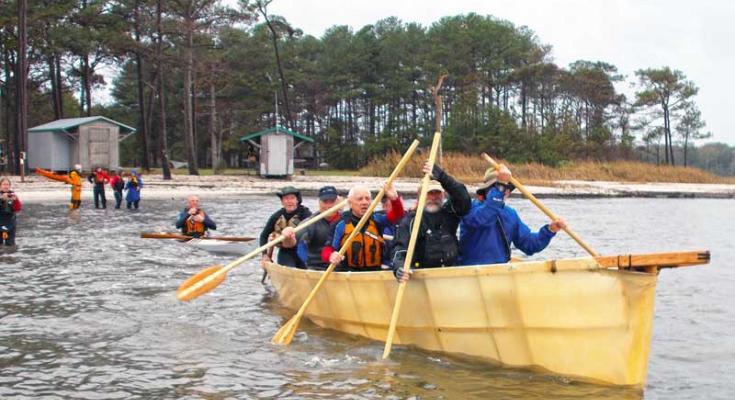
column 131, row 183
column 487, row 228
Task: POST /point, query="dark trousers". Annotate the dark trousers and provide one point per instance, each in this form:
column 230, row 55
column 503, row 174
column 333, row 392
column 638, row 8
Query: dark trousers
column 118, row 198
column 99, row 196
column 7, row 233
column 289, row 258
column 132, row 204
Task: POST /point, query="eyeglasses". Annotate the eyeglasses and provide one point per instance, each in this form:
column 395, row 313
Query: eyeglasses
column 502, row 187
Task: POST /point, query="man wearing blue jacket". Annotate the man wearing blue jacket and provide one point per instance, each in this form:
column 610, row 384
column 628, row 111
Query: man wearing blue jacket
column 486, row 233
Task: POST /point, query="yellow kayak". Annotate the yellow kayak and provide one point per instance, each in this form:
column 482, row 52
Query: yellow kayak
column 585, row 318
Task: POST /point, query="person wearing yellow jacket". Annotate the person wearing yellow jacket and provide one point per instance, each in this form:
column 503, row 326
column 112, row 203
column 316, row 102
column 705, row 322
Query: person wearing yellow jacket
column 73, row 178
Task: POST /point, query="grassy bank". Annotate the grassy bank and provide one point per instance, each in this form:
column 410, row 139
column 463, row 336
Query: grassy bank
column 471, row 168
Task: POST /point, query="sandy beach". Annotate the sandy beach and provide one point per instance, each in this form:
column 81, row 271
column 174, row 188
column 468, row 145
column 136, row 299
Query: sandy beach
column 37, row 189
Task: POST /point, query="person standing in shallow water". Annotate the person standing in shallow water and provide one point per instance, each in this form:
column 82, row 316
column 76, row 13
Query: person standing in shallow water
column 74, row 179
column 283, row 222
column 133, row 187
column 98, row 178
column 118, row 184
column 9, row 206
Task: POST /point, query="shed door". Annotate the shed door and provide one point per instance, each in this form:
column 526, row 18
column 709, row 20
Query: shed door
column 277, row 155
column 99, row 147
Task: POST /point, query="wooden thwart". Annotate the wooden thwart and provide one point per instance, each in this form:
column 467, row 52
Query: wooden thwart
column 660, row 260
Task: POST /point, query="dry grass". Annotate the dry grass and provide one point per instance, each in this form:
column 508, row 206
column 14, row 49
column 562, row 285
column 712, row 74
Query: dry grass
column 470, row 169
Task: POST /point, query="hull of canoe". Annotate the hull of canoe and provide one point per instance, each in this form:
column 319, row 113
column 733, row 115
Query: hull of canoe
column 578, row 321
column 219, row 246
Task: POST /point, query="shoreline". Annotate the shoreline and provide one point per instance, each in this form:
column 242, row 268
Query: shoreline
column 39, row 189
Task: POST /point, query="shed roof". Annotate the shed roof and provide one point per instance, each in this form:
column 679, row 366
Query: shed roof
column 68, row 123
column 276, row 129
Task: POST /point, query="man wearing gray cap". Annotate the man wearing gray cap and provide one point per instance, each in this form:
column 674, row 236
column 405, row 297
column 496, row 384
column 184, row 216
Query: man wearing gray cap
column 436, row 245
column 313, row 240
column 486, row 233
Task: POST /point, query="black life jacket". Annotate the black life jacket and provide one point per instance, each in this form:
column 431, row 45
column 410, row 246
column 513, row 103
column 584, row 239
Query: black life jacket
column 441, row 248
column 6, row 206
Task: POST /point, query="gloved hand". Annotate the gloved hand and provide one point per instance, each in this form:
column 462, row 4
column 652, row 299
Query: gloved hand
column 402, row 276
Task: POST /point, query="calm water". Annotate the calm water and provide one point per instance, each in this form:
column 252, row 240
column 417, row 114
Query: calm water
column 87, row 310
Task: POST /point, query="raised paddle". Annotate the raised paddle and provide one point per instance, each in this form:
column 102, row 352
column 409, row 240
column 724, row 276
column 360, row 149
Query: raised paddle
column 172, row 235
column 411, row 245
column 210, row 277
column 541, row 207
column 287, row 331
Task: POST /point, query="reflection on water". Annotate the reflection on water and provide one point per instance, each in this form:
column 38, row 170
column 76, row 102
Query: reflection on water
column 87, row 310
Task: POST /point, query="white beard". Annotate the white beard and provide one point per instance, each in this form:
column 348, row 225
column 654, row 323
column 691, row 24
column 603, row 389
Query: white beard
column 432, row 208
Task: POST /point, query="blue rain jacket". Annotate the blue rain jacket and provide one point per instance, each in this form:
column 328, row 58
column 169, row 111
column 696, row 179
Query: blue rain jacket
column 481, row 236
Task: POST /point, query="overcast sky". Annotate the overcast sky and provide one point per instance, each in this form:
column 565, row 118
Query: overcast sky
column 692, row 36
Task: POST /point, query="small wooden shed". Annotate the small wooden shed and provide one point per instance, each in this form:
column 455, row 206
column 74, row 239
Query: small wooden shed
column 276, row 148
column 89, row 141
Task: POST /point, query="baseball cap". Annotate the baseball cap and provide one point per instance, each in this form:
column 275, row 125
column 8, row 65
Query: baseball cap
column 328, row 193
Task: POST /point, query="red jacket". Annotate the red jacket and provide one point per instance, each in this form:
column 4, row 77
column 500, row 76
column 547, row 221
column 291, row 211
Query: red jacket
column 99, row 178
column 114, row 181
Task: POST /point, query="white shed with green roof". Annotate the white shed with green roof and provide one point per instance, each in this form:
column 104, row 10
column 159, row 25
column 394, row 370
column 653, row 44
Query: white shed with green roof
column 89, row 141
column 276, row 147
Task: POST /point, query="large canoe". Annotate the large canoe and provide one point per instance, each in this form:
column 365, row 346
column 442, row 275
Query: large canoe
column 585, row 318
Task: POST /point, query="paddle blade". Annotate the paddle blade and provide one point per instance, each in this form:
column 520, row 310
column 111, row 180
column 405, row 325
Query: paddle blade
column 287, row 331
column 184, row 293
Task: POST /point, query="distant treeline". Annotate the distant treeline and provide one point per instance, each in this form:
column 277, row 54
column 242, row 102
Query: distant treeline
column 194, row 76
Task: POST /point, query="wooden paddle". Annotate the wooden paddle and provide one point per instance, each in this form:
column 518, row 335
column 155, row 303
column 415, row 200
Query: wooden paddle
column 411, row 245
column 179, row 236
column 210, row 277
column 286, row 332
column 541, row 207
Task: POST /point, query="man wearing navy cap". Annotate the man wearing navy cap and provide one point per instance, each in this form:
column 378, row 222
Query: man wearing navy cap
column 313, row 240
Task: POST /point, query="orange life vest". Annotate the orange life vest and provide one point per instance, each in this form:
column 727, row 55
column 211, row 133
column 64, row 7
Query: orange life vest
column 194, row 228
column 366, row 249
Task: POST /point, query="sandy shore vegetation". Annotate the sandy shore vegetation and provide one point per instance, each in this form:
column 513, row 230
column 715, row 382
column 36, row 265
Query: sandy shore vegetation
column 37, row 189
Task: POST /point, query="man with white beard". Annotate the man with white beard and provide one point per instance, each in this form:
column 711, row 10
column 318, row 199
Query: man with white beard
column 437, row 244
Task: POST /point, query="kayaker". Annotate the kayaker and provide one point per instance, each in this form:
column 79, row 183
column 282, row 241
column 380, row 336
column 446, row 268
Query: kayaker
column 73, row 178
column 9, row 206
column 98, row 178
column 193, row 221
column 290, row 215
column 486, row 233
column 366, row 250
column 118, row 184
column 313, row 240
column 437, row 244
column 133, row 187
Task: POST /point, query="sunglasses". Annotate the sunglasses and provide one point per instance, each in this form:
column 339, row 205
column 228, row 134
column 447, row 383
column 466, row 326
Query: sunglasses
column 502, row 187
